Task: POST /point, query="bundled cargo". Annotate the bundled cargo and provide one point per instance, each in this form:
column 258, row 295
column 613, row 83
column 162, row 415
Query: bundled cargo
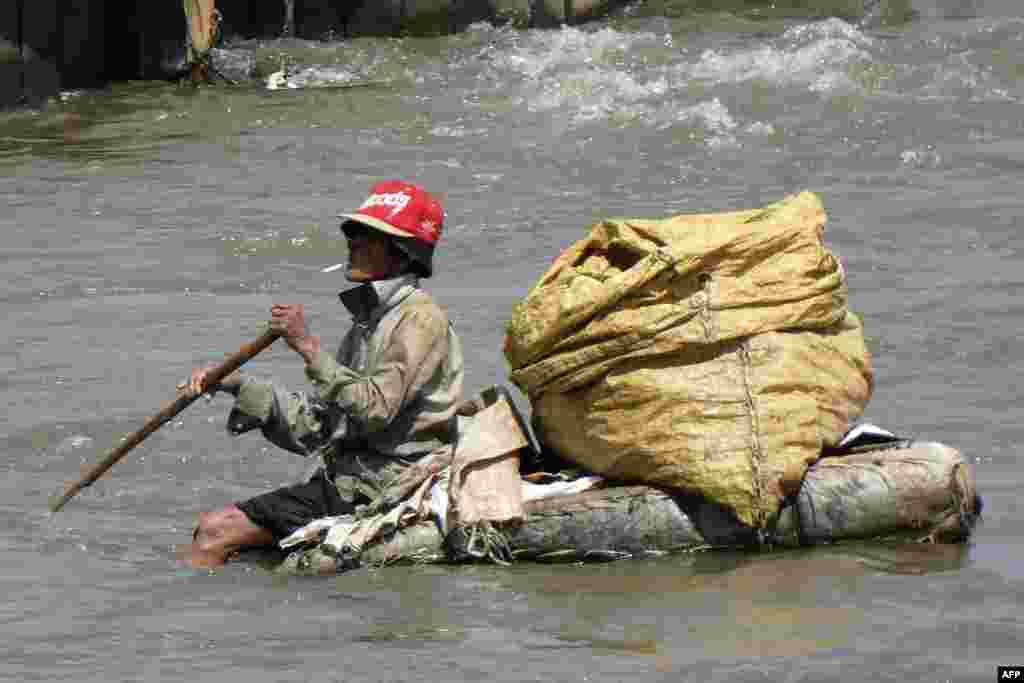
column 923, row 489
column 708, row 354
column 918, row 491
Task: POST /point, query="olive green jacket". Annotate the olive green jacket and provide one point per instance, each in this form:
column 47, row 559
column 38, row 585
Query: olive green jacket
column 385, row 399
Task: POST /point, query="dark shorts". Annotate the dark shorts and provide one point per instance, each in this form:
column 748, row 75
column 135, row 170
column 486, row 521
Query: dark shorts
column 286, row 509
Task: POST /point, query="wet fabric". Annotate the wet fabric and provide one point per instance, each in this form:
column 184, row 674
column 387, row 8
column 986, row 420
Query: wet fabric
column 485, row 484
column 288, row 508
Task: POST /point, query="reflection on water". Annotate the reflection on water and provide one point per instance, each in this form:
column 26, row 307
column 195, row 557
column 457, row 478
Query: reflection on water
column 914, row 558
column 751, row 573
column 783, row 604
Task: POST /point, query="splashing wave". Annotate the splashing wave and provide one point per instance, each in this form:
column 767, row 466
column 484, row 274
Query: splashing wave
column 817, row 55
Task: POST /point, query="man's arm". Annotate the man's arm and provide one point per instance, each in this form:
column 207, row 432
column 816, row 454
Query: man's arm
column 293, row 420
column 410, row 358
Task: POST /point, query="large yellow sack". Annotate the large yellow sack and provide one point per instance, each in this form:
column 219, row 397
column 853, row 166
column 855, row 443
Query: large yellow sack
column 739, row 423
column 711, row 353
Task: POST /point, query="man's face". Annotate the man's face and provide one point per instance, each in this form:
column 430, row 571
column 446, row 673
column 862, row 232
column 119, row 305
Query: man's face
column 370, row 257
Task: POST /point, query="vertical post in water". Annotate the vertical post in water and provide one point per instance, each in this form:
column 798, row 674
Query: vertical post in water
column 288, row 29
column 202, row 27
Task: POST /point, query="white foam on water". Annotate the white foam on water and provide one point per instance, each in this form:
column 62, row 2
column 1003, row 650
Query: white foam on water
column 716, row 119
column 580, row 77
column 545, row 52
column 921, row 157
column 969, row 76
column 313, row 76
column 597, row 94
column 722, row 127
column 712, row 114
column 817, row 56
column 760, row 128
column 456, row 131
column 587, row 74
column 73, row 443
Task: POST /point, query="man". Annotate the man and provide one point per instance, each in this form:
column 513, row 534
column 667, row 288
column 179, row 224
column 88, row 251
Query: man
column 385, row 400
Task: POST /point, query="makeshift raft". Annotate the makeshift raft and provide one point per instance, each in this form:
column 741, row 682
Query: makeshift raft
column 875, row 488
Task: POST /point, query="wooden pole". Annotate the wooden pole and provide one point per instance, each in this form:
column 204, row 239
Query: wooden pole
column 202, row 25
column 232, row 363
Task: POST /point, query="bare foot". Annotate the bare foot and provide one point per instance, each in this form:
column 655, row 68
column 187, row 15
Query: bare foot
column 197, row 558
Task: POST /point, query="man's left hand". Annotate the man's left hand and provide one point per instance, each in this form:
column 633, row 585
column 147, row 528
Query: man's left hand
column 290, row 321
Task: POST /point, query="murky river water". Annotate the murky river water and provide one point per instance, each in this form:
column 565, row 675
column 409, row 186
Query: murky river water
column 147, row 230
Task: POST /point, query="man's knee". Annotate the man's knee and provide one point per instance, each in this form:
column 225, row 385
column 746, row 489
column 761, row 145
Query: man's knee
column 221, row 526
column 230, row 516
column 219, row 534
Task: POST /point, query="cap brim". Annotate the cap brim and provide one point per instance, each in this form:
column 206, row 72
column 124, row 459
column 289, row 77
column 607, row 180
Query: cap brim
column 375, row 223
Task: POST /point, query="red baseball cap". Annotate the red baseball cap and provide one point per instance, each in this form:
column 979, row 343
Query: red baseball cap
column 401, row 209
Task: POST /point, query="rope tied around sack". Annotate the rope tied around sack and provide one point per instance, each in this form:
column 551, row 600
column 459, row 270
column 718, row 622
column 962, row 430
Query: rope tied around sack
column 484, row 542
column 757, row 454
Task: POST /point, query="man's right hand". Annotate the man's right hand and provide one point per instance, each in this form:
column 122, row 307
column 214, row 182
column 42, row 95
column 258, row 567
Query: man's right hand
column 196, row 384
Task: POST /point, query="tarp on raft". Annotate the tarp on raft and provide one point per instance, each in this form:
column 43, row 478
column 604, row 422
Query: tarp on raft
column 712, row 353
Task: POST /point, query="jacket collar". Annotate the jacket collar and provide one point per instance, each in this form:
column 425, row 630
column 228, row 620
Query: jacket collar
column 371, row 300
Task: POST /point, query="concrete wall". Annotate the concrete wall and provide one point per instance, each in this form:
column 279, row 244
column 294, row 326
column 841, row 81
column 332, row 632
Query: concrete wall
column 37, row 74
column 346, row 18
column 390, row 17
column 254, row 18
column 10, row 58
column 83, row 40
column 161, row 35
column 8, row 29
column 83, row 43
column 61, row 46
column 319, row 19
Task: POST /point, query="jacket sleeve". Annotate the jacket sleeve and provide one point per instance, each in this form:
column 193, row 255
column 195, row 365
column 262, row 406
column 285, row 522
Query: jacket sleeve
column 408, row 361
column 296, row 421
